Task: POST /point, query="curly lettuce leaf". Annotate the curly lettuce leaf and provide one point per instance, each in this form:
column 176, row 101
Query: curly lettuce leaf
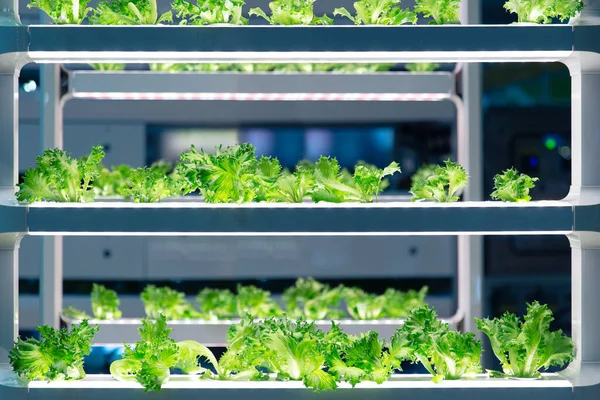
column 291, row 12
column 105, row 303
column 524, row 347
column 443, row 186
column 378, row 12
column 207, row 12
column 441, row 12
column 70, row 12
column 513, row 187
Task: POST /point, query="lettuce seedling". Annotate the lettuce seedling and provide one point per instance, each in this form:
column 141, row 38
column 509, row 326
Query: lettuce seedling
column 292, row 12
column 227, row 176
column 207, row 12
column 444, row 353
column 543, row 11
column 113, row 182
column 313, row 300
column 399, row 304
column 362, row 305
column 293, row 188
column 168, row 302
column 71, row 12
column 422, row 67
column 105, row 303
column 443, row 186
column 58, row 355
column 59, row 177
column 150, row 360
column 512, row 186
column 366, row 184
column 441, row 12
column 256, row 302
column 129, row 12
column 378, row 12
column 292, row 351
column 217, row 304
column 190, row 353
column 148, row 185
column 74, row 313
column 109, row 67
column 524, row 347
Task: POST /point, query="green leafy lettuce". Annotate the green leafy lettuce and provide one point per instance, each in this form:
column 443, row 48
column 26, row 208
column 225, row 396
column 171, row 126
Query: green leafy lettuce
column 543, row 11
column 444, row 353
column 168, row 302
column 524, row 347
column 292, row 12
column 362, row 305
column 443, row 186
column 399, row 304
column 422, row 67
column 512, row 186
column 217, row 304
column 59, row 177
column 206, row 12
column 378, row 12
column 105, row 303
column 58, row 355
column 313, row 300
column 441, row 12
column 71, row 12
column 256, row 302
column 126, row 12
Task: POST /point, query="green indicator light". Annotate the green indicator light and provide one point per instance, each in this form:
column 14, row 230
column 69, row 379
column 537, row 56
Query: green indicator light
column 550, row 144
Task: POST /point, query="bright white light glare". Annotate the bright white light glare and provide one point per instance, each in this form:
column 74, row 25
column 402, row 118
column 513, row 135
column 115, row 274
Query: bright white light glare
column 264, row 96
column 405, row 381
column 30, row 86
column 298, row 57
column 297, row 234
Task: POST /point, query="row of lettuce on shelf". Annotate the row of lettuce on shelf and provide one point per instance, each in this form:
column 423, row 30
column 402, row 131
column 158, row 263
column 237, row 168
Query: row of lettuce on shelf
column 308, row 299
column 359, row 68
column 236, row 175
column 289, row 12
column 297, row 350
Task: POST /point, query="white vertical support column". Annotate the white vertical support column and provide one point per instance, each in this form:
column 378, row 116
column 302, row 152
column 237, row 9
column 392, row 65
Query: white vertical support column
column 9, row 292
column 10, row 65
column 470, row 146
column 51, row 130
column 584, row 372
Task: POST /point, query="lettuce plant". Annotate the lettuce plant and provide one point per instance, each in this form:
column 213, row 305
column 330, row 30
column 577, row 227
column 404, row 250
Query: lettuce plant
column 292, row 12
column 62, row 12
column 125, row 12
column 58, row 355
column 206, row 12
column 378, row 12
column 543, row 11
column 512, row 186
column 524, row 347
column 443, row 186
column 441, row 12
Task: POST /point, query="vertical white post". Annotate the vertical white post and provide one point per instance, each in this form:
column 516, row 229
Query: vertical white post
column 10, row 65
column 9, row 291
column 51, row 130
column 584, row 372
column 470, row 147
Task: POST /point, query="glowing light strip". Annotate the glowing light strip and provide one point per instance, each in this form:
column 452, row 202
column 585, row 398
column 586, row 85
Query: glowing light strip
column 263, row 96
column 319, row 57
column 296, row 234
column 407, row 381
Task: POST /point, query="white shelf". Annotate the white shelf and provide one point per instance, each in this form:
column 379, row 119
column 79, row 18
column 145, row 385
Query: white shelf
column 213, row 333
column 415, row 387
column 268, row 86
column 188, row 218
column 471, row 43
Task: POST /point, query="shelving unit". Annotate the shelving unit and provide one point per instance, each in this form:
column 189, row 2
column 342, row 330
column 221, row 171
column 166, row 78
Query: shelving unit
column 578, row 216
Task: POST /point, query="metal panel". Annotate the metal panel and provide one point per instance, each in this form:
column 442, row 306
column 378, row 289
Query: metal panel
column 301, row 43
column 289, row 257
column 187, row 218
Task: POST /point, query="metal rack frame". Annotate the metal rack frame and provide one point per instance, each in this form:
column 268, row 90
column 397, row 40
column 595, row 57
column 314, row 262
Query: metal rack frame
column 578, row 216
